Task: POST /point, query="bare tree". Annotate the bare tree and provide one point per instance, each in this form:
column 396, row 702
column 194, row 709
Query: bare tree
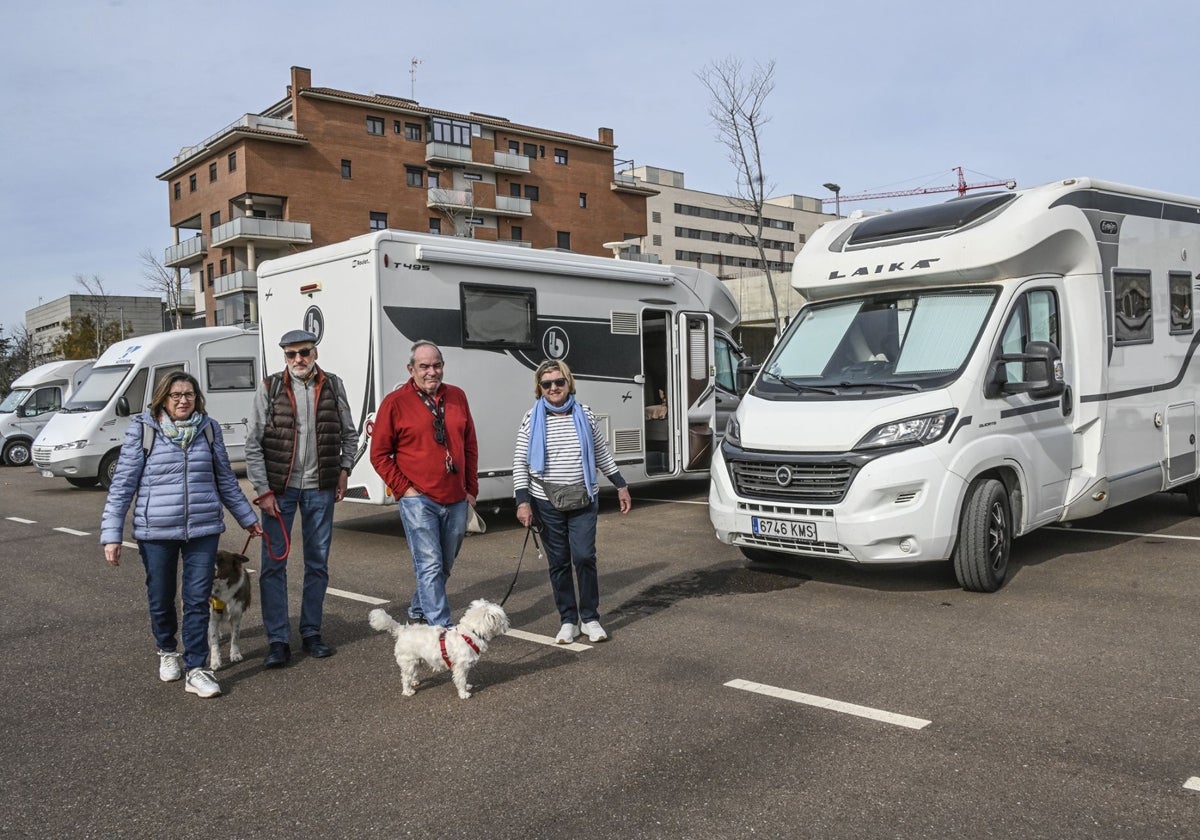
column 736, row 100
column 162, row 281
column 98, row 326
column 462, row 216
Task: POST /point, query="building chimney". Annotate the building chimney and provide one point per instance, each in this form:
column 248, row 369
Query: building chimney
column 606, row 136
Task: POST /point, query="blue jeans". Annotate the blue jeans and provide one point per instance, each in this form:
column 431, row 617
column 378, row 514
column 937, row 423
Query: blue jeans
column 570, row 538
column 161, row 559
column 316, row 527
column 435, row 534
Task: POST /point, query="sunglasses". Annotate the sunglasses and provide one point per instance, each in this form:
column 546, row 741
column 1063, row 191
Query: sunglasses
column 547, row 384
column 439, row 431
column 303, row 352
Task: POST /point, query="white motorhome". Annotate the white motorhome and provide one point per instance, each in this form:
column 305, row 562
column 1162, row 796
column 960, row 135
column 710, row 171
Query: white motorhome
column 81, row 443
column 35, row 397
column 966, row 372
column 643, row 341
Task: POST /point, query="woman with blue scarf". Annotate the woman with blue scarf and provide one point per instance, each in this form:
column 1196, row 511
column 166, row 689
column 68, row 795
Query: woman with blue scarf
column 560, row 451
column 173, row 460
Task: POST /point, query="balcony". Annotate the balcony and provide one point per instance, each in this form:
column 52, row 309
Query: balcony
column 510, row 205
column 245, row 229
column 186, row 252
column 238, row 281
column 449, row 153
column 623, row 182
column 509, row 162
column 451, row 199
column 515, row 243
column 252, row 122
column 466, row 200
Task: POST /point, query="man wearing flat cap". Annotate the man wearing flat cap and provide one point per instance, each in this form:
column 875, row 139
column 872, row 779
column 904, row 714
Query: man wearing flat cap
column 300, row 448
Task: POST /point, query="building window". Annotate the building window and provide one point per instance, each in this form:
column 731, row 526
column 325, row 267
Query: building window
column 531, row 150
column 412, row 131
column 414, row 176
column 560, row 156
column 564, row 240
column 531, row 192
column 375, row 125
column 396, row 127
column 435, row 180
column 345, row 169
column 233, row 161
column 472, row 176
column 514, row 147
column 178, row 190
column 192, row 182
column 224, row 267
column 657, row 239
column 212, row 172
column 514, row 189
column 214, row 221
column 583, row 199
column 378, row 221
column 457, row 132
column 435, row 225
column 517, row 232
column 655, row 216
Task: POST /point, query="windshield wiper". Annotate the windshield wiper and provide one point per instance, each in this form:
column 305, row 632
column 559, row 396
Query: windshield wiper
column 798, row 387
column 896, row 386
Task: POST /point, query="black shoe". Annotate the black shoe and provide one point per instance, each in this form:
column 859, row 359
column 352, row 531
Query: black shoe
column 315, row 648
column 279, row 655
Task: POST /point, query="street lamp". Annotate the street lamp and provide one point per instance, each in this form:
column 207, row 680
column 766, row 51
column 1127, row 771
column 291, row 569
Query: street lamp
column 836, row 189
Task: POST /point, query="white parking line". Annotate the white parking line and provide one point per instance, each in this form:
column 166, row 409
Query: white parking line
column 22, row 521
column 832, row 705
column 74, row 533
column 672, row 501
column 354, row 596
column 1123, row 533
column 546, row 640
column 1192, row 783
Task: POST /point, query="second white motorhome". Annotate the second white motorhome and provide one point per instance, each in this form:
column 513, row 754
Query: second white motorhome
column 966, row 372
column 644, row 342
column 35, row 397
column 81, row 443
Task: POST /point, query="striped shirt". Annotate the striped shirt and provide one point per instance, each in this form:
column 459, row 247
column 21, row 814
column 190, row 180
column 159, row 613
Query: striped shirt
column 564, row 458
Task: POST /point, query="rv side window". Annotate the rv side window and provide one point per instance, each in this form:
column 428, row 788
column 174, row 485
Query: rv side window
column 1181, row 302
column 44, row 400
column 1133, row 321
column 230, row 375
column 727, row 360
column 136, row 392
column 161, row 373
column 496, row 316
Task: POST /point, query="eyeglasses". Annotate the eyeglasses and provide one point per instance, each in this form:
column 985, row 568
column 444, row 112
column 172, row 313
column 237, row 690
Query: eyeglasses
column 547, row 384
column 303, row 352
column 186, row 395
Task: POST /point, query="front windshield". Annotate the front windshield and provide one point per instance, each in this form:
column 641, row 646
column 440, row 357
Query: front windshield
column 97, row 389
column 899, row 341
column 13, row 400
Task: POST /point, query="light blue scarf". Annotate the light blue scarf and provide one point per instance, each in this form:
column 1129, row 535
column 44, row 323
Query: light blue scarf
column 180, row 431
column 537, row 439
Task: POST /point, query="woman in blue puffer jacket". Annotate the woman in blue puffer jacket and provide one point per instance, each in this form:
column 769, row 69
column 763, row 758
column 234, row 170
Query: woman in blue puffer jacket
column 181, row 486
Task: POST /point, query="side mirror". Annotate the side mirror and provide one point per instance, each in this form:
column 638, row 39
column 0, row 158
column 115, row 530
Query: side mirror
column 122, row 406
column 23, row 411
column 1043, row 372
column 746, row 371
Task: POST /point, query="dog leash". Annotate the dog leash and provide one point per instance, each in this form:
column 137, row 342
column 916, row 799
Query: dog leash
column 531, row 531
column 287, row 540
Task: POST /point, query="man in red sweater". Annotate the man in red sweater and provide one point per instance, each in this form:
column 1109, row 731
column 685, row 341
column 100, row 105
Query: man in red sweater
column 423, row 446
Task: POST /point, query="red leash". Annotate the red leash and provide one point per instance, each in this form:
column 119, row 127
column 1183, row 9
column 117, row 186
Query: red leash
column 287, row 540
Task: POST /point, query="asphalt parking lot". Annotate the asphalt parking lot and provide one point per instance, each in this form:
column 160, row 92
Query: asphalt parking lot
column 808, row 699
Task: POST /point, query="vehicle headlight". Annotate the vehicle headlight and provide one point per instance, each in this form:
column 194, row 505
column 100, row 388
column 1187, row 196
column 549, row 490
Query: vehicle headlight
column 911, row 431
column 75, row 444
column 733, row 431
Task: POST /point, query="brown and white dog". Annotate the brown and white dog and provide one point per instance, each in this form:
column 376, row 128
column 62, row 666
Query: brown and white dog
column 230, row 598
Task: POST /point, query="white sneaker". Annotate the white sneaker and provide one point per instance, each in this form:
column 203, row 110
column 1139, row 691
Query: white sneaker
column 566, row 634
column 169, row 668
column 595, row 632
column 200, row 681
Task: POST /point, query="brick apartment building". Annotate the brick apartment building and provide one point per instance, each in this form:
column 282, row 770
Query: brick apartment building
column 323, row 165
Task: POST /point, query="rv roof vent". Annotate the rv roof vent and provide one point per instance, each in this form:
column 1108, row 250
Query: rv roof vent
column 626, row 441
column 624, row 323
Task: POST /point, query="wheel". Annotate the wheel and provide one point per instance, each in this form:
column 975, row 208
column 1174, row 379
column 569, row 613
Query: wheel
column 17, row 453
column 1193, row 497
column 82, row 482
column 984, row 537
column 108, row 468
column 761, row 555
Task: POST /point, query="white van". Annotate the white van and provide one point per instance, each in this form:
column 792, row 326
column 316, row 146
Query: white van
column 81, row 443
column 966, row 372
column 644, row 342
column 35, row 397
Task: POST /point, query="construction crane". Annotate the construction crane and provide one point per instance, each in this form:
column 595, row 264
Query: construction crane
column 961, row 188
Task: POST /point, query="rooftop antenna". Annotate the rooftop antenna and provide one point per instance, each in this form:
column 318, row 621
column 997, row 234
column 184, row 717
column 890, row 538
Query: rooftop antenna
column 412, row 73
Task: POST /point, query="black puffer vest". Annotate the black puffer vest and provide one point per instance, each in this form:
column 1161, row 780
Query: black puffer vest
column 279, row 434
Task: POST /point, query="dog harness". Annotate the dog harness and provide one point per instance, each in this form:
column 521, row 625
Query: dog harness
column 445, row 656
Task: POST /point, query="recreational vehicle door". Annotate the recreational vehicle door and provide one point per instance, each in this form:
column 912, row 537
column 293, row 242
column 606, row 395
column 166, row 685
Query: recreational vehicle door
column 696, row 390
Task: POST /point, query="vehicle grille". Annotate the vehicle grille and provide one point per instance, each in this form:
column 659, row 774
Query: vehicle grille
column 812, row 549
column 815, row 483
column 41, row 453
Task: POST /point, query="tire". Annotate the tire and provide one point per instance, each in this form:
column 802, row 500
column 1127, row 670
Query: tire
column 108, row 468
column 18, row 453
column 761, row 555
column 82, row 482
column 984, row 537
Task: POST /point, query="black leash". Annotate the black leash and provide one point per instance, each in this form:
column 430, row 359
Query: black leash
column 531, row 531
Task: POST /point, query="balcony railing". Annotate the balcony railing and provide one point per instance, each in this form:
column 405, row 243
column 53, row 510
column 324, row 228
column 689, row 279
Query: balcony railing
column 516, row 163
column 247, row 121
column 238, row 281
column 516, row 243
column 186, row 252
column 448, row 152
column 246, row 228
column 439, row 197
column 514, row 205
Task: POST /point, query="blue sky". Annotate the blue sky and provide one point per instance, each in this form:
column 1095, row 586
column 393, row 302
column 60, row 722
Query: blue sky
column 98, row 96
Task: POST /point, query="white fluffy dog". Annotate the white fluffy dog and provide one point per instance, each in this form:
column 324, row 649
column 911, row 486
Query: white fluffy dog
column 456, row 649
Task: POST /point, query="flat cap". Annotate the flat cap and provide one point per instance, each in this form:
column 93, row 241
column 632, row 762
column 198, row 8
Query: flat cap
column 297, row 337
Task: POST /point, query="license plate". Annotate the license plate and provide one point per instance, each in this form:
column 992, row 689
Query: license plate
column 47, row 474
column 787, row 528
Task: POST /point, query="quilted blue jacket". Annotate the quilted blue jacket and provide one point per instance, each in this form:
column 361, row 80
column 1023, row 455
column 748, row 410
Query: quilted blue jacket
column 178, row 497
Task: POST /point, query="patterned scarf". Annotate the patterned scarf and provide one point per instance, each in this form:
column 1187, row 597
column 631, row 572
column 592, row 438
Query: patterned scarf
column 180, row 431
